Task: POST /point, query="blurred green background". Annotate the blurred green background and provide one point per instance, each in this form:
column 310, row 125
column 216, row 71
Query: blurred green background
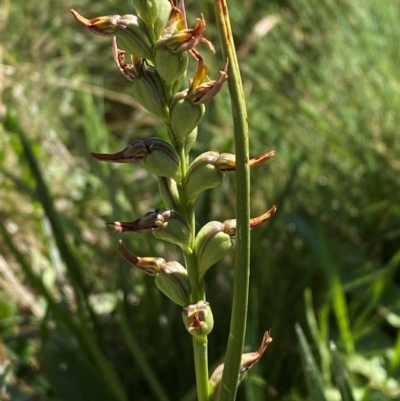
column 322, row 83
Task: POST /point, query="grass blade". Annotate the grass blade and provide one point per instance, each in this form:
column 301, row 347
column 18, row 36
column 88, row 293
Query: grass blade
column 340, row 374
column 312, row 374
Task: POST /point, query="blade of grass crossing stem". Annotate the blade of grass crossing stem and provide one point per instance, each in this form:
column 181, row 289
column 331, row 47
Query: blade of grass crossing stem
column 338, row 297
column 315, row 384
column 318, row 339
column 65, row 318
column 43, row 194
column 395, row 359
column 139, row 356
column 229, row 381
column 377, row 289
column 340, row 375
column 73, row 263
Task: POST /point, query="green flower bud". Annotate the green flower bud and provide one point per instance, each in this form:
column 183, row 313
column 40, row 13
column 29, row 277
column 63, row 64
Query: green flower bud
column 132, row 36
column 165, row 224
column 148, row 90
column 177, row 85
column 189, row 140
column 169, row 192
column 164, row 13
column 173, row 281
column 184, row 116
column 162, row 159
column 174, row 229
column 170, row 277
column 211, row 245
column 247, row 362
column 198, row 318
column 202, row 174
column 171, row 66
column 154, row 154
column 147, row 86
column 153, row 11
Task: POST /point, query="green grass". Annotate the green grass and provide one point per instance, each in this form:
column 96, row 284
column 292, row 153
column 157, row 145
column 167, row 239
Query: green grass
column 322, row 90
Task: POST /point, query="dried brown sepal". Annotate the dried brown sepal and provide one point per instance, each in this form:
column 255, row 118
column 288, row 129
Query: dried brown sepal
column 148, row 265
column 226, row 162
column 230, row 227
column 258, row 220
column 150, row 221
column 247, row 362
column 104, row 26
column 130, row 71
column 201, row 92
column 128, row 155
column 251, row 358
column 261, row 159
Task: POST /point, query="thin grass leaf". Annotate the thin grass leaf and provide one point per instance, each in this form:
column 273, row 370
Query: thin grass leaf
column 67, row 320
column 315, row 383
column 340, row 375
column 338, row 298
column 70, row 373
column 139, row 356
column 318, row 339
column 72, row 261
column 395, row 359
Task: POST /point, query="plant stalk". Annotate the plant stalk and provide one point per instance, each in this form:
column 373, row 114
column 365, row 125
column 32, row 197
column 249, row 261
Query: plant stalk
column 197, row 289
column 229, row 383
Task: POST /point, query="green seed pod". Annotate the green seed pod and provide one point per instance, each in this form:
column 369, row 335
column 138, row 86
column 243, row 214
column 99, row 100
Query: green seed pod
column 211, row 245
column 148, row 90
column 132, row 36
column 162, row 159
column 198, row 318
column 174, row 229
column 202, row 174
column 173, row 281
column 184, row 116
column 171, row 66
column 169, row 192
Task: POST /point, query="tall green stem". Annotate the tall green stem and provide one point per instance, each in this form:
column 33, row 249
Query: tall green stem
column 197, row 288
column 228, row 386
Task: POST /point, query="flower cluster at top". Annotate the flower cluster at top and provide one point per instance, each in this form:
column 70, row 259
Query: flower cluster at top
column 152, row 50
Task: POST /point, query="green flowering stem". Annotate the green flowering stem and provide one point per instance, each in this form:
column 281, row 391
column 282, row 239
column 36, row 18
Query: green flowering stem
column 201, row 366
column 197, row 288
column 199, row 342
column 234, row 352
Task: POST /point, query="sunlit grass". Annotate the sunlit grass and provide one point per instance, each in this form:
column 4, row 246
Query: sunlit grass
column 323, row 90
